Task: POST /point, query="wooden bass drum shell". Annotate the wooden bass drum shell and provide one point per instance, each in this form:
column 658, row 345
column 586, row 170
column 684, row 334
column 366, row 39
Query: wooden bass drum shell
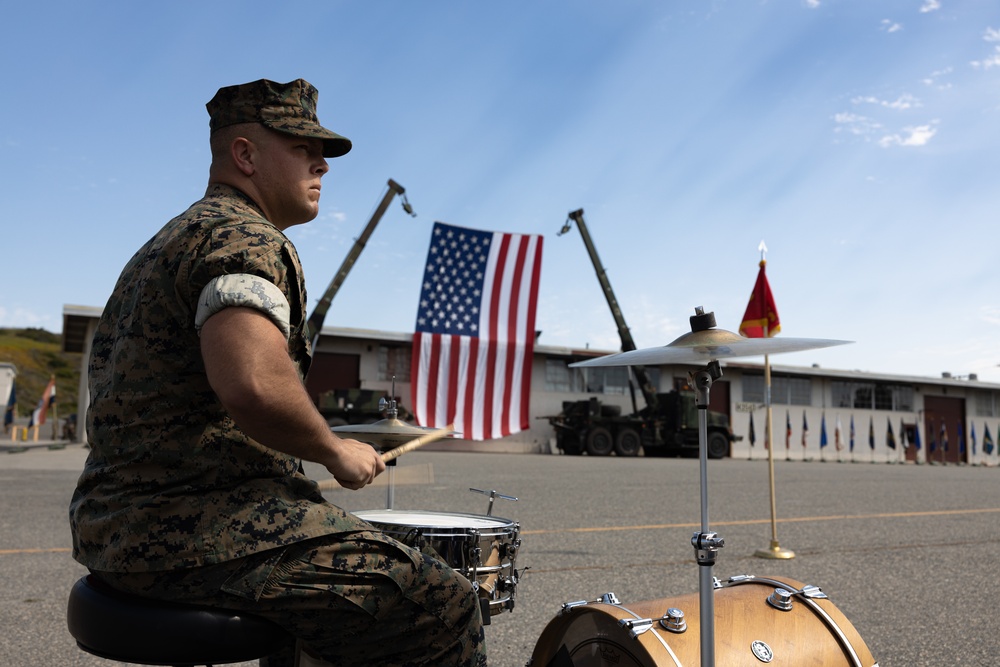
column 813, row 633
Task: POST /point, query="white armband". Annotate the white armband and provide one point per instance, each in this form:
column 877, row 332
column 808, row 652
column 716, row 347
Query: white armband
column 247, row 291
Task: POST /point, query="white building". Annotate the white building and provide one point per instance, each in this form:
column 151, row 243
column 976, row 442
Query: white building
column 807, row 403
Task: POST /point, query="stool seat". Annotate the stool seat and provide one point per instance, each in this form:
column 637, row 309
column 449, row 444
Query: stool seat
column 127, row 628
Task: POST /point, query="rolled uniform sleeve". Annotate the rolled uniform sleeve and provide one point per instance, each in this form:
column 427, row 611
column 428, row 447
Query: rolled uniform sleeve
column 247, row 291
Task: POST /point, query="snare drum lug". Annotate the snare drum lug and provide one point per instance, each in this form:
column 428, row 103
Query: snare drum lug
column 566, row 606
column 636, row 626
column 609, row 598
column 673, row 621
column 741, row 578
column 780, row 599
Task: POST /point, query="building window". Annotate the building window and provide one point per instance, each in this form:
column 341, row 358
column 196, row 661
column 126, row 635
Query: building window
column 872, row 396
column 558, row 376
column 394, row 363
column 785, row 390
column 606, row 380
column 986, row 405
column 753, row 388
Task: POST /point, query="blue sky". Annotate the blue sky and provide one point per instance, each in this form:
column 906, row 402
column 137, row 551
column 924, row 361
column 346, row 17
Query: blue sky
column 857, row 138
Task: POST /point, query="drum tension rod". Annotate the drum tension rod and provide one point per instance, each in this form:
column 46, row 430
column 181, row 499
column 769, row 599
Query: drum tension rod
column 781, row 598
column 493, row 496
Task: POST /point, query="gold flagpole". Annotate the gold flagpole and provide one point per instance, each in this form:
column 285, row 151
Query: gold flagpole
column 774, row 551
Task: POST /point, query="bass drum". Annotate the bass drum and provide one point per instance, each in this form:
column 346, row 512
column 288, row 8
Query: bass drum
column 790, row 629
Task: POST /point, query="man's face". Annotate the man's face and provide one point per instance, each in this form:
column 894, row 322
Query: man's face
column 287, row 175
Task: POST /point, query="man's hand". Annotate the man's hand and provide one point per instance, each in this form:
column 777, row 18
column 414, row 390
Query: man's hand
column 356, row 464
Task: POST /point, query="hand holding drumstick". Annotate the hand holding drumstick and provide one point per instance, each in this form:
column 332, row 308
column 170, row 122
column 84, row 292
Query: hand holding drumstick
column 399, row 451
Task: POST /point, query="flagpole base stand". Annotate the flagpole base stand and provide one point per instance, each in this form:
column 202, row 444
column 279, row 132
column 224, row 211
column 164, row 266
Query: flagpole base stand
column 775, row 552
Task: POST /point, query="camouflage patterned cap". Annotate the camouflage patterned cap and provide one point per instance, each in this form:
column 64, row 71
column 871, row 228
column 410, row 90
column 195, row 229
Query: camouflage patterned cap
column 286, row 107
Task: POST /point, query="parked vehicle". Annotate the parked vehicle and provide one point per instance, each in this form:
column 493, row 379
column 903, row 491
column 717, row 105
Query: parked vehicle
column 666, row 426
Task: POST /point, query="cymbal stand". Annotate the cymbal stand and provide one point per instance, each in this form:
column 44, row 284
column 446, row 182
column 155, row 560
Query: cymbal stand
column 390, row 410
column 706, row 543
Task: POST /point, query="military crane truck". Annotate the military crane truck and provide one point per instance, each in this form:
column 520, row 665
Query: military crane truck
column 666, row 426
column 352, row 405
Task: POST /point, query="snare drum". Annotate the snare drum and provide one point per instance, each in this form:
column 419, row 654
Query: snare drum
column 755, row 624
column 482, row 548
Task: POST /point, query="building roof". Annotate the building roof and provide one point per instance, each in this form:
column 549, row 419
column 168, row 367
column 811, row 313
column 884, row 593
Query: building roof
column 76, row 320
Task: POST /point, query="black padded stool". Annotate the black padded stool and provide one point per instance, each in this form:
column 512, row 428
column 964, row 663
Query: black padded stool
column 122, row 627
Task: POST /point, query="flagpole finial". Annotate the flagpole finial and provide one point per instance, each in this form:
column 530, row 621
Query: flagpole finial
column 763, row 251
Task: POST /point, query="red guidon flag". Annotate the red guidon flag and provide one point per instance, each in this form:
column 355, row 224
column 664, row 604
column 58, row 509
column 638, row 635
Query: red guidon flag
column 475, row 332
column 761, row 318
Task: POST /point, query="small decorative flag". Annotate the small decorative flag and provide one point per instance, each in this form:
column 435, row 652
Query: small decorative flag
column 788, row 430
column 47, row 400
column 761, row 317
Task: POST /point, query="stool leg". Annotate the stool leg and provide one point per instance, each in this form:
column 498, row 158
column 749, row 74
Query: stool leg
column 304, row 658
column 286, row 657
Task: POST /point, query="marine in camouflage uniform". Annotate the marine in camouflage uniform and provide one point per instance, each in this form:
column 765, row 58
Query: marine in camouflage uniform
column 177, row 501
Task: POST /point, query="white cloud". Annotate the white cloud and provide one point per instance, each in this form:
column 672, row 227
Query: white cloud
column 21, row 318
column 903, row 102
column 933, row 78
column 812, row 4
column 855, row 124
column 990, row 314
column 912, row 136
column 991, row 35
column 890, row 26
column 992, row 61
column 930, row 6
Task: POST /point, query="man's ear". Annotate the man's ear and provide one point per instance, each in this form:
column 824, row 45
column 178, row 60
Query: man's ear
column 243, row 152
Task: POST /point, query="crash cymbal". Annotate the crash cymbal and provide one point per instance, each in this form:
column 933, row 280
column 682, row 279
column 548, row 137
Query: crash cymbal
column 706, row 345
column 386, row 433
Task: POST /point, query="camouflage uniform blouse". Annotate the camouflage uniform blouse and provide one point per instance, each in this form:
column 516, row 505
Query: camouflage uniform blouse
column 171, row 481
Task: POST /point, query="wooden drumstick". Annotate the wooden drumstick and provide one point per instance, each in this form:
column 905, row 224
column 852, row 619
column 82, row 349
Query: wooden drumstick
column 418, row 442
column 330, row 484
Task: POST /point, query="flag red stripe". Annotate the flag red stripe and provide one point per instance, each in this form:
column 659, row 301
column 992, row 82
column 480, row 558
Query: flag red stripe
column 529, row 343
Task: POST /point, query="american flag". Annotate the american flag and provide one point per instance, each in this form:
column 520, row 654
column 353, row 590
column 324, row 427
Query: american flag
column 475, row 333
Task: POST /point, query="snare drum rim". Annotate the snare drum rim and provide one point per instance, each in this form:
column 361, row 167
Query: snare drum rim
column 493, row 526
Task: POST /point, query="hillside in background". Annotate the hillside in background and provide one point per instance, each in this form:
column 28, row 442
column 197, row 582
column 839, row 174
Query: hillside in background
column 38, row 355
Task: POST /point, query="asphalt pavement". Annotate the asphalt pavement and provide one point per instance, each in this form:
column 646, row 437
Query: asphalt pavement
column 910, row 554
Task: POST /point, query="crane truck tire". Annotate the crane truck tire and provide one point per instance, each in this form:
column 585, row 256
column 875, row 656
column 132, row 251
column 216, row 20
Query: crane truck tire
column 599, row 441
column 718, row 445
column 628, row 442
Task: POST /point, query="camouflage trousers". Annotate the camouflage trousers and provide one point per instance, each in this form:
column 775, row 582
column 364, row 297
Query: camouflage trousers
column 353, row 599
